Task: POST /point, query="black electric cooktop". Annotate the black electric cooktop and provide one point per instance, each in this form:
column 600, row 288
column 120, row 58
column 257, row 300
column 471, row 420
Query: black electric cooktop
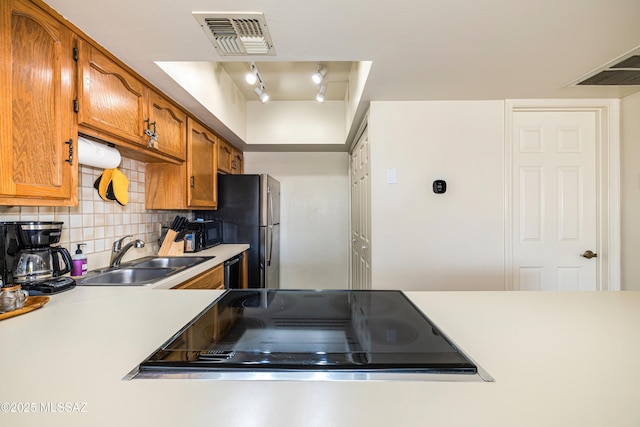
column 300, row 334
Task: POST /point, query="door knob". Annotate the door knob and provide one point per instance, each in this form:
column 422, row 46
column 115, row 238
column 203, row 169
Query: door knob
column 589, row 254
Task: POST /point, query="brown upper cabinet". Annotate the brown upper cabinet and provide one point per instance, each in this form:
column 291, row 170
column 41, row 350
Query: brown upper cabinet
column 230, row 159
column 38, row 133
column 169, row 124
column 116, row 106
column 237, row 163
column 192, row 185
column 55, row 82
column 202, row 166
column 110, row 99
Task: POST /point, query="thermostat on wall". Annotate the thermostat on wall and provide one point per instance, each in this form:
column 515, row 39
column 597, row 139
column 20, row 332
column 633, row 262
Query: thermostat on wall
column 439, row 186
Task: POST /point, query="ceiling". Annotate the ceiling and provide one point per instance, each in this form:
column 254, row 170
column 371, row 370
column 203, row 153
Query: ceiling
column 420, row 49
column 291, row 81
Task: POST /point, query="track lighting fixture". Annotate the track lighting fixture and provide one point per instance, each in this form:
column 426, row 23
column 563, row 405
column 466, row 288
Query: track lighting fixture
column 319, row 75
column 260, row 91
column 253, row 75
column 320, row 94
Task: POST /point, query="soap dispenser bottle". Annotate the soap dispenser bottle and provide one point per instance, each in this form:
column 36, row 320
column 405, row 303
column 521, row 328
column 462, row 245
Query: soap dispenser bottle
column 79, row 267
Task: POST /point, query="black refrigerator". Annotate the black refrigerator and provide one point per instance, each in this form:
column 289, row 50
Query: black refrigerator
column 249, row 208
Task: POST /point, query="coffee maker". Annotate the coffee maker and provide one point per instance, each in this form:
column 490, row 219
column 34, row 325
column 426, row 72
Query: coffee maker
column 28, row 257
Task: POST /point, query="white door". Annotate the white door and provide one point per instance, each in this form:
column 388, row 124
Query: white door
column 361, row 214
column 554, row 200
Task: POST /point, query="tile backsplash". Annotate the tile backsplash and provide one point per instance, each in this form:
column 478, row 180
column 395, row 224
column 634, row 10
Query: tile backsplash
column 96, row 222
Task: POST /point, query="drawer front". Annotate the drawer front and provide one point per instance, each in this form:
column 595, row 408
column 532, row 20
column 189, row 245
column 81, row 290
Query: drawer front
column 212, row 279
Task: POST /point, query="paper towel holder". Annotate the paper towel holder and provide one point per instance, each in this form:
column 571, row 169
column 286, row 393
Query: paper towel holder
column 97, row 153
column 95, row 139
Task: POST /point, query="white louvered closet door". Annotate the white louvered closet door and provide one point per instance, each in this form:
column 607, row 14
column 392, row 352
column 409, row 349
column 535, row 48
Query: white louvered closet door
column 361, row 214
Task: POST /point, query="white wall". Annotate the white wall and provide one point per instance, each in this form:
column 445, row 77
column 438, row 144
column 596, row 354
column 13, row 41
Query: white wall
column 357, row 80
column 630, row 191
column 295, row 122
column 212, row 87
column 427, row 241
column 314, row 212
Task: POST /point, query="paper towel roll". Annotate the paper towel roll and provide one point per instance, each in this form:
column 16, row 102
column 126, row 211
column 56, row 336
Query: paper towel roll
column 93, row 153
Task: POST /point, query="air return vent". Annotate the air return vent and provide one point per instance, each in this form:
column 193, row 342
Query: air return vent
column 624, row 71
column 234, row 34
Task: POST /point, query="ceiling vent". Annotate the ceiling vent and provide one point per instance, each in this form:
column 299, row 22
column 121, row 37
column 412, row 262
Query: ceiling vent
column 623, row 71
column 235, row 34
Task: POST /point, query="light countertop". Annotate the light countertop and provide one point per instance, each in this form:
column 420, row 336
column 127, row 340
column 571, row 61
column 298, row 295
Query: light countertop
column 559, row 359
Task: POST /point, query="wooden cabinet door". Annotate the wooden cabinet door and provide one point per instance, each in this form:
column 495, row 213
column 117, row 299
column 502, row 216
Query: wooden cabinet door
column 244, row 271
column 165, row 186
column 191, row 185
column 38, row 132
column 110, row 99
column 225, row 155
column 170, row 124
column 237, row 162
column 230, row 159
column 202, row 167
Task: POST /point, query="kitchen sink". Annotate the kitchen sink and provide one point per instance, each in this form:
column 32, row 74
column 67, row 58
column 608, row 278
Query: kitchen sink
column 169, row 262
column 128, row 276
column 141, row 272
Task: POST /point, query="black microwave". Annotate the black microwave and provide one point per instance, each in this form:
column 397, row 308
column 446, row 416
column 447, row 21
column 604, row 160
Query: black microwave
column 202, row 235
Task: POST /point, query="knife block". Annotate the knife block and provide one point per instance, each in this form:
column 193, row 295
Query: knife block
column 169, row 247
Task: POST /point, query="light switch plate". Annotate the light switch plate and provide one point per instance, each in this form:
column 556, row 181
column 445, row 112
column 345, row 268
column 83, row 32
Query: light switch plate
column 392, row 176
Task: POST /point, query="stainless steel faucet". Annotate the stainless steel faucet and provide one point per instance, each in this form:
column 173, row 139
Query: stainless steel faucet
column 118, row 250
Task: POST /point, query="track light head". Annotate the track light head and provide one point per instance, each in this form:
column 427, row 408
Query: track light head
column 321, row 93
column 319, row 75
column 264, row 97
column 251, row 78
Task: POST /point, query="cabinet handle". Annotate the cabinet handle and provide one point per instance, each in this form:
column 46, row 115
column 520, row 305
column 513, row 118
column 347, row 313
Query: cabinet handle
column 193, row 181
column 70, row 158
column 148, row 130
column 152, row 134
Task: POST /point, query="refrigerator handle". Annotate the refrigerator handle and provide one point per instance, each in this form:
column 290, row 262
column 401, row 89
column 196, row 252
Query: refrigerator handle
column 270, row 198
column 270, row 225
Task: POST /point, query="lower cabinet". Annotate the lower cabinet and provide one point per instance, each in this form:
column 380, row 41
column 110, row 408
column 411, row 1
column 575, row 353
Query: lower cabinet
column 211, row 279
column 214, row 278
column 244, row 270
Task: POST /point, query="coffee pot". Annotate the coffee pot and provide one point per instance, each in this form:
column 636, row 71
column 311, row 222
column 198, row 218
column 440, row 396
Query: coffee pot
column 38, row 264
